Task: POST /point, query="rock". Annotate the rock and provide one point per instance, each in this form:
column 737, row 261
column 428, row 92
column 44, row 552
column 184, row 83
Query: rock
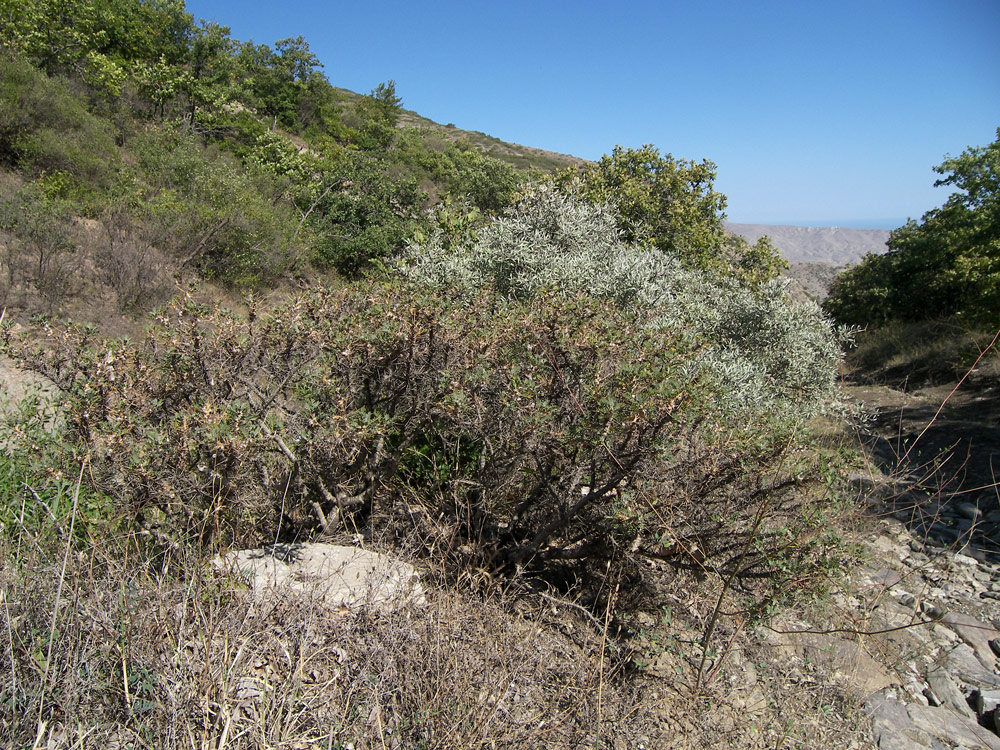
column 987, row 701
column 946, row 690
column 931, row 611
column 970, row 511
column 841, row 656
column 885, row 577
column 945, row 724
column 905, row 598
column 965, row 560
column 892, row 726
column 943, row 634
column 961, row 661
column 978, row 553
column 341, row 576
column 885, row 545
column 975, row 633
column 916, row 693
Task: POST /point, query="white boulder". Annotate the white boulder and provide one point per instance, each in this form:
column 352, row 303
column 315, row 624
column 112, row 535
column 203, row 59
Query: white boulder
column 344, row 577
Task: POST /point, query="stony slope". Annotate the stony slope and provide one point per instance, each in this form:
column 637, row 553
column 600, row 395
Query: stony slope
column 812, row 280
column 932, row 613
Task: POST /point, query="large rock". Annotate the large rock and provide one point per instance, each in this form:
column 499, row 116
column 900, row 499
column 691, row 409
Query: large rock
column 945, row 724
column 837, row 657
column 893, row 728
column 948, row 692
column 963, row 663
column 915, row 727
column 342, row 576
column 975, row 633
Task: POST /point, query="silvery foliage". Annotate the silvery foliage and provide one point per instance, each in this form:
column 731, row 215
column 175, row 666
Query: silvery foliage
column 769, row 353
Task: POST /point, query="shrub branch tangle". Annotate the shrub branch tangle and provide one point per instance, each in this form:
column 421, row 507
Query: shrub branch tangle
column 515, row 432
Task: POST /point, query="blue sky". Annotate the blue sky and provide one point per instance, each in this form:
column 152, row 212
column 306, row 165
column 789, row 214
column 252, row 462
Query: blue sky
column 814, row 112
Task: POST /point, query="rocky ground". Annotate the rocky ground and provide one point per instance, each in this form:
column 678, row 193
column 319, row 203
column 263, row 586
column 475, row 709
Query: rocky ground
column 917, row 634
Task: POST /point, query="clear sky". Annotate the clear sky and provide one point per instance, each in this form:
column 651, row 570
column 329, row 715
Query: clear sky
column 819, row 113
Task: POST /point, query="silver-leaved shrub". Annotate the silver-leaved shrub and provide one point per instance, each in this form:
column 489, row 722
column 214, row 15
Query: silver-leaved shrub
column 770, row 353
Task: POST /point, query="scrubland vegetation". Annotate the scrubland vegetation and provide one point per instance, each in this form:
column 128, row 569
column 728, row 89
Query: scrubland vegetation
column 573, row 388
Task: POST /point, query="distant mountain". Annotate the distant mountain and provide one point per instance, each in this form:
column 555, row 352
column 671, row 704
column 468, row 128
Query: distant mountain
column 836, row 245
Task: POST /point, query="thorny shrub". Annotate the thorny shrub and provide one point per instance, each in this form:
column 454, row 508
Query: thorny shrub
column 512, row 437
column 561, row 406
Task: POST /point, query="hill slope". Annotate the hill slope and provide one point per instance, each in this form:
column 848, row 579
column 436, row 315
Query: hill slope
column 522, row 157
column 836, row 245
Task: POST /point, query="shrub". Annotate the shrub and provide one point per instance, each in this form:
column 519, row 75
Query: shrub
column 38, row 248
column 199, row 205
column 772, row 353
column 132, row 269
column 46, row 128
column 550, row 430
column 369, row 216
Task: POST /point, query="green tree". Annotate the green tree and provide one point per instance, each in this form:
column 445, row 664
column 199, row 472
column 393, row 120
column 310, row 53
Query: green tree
column 212, row 67
column 671, row 204
column 378, row 113
column 384, row 95
column 947, row 264
column 276, row 79
column 100, row 38
column 50, row 33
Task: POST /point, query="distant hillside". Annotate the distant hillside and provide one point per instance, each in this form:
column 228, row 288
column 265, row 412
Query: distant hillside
column 522, row 157
column 812, row 280
column 836, row 245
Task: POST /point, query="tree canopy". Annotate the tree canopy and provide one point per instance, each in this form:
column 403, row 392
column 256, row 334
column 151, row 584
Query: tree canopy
column 946, row 264
column 672, row 205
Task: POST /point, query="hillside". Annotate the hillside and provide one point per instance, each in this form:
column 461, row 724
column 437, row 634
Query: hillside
column 812, row 280
column 836, row 245
column 280, row 317
column 522, row 157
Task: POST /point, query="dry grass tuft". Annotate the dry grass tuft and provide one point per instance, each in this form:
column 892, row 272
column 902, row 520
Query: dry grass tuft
column 188, row 660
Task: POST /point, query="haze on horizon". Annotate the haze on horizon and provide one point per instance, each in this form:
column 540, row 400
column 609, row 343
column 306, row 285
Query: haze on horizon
column 815, row 114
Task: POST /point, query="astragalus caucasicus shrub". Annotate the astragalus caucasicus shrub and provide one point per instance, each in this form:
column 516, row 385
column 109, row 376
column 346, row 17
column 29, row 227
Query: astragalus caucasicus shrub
column 511, row 425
